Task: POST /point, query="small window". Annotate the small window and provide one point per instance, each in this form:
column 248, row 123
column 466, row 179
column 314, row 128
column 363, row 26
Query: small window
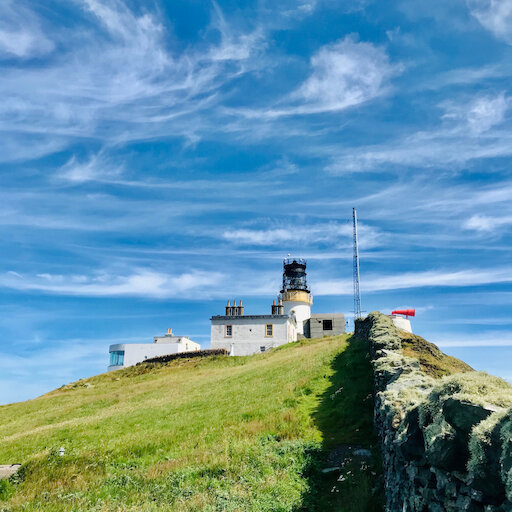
column 229, row 331
column 269, row 330
column 262, row 349
column 117, row 358
column 327, row 325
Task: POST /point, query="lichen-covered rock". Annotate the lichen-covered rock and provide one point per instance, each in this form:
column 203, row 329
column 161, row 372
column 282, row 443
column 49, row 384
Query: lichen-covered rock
column 464, row 415
column 445, row 447
column 486, row 448
column 410, row 441
column 506, row 456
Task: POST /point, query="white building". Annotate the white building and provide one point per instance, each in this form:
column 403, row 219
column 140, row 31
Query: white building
column 128, row 354
column 402, row 323
column 246, row 335
column 289, row 320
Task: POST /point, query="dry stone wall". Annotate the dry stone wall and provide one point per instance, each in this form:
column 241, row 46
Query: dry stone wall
column 446, row 443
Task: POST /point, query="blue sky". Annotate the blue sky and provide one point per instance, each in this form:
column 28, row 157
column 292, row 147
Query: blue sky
column 158, row 158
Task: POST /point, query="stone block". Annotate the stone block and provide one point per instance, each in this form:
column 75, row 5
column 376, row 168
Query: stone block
column 464, row 415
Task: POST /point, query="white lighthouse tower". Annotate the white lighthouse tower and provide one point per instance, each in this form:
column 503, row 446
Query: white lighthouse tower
column 295, row 295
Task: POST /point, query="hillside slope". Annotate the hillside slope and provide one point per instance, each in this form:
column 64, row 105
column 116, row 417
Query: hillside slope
column 433, row 361
column 217, row 434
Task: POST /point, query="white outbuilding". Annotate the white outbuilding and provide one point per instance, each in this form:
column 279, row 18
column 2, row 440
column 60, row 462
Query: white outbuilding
column 128, row 354
column 244, row 335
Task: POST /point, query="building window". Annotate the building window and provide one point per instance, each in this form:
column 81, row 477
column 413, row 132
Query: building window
column 262, row 349
column 117, row 358
column 229, row 331
column 327, row 325
column 269, row 330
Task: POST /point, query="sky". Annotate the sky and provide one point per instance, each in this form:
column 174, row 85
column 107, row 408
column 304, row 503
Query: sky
column 158, row 158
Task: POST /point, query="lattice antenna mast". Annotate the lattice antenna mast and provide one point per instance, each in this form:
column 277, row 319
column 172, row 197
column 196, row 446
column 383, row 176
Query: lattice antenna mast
column 357, row 293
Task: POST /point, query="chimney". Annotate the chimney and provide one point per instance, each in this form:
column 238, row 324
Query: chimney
column 274, row 308
column 241, row 309
column 280, row 307
column 169, row 332
column 235, row 308
column 228, row 309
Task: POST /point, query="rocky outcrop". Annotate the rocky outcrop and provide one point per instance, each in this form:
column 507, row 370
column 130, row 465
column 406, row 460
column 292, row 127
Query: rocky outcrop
column 446, row 443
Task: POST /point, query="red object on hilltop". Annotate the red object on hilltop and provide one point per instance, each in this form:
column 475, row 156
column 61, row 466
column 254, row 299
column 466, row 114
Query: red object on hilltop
column 406, row 312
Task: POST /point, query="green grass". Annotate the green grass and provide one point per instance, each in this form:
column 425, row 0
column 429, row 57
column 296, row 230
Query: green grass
column 216, row 434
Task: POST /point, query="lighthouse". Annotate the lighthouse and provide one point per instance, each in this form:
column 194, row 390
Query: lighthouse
column 295, row 294
column 290, row 318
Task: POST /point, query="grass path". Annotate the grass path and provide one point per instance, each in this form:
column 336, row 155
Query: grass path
column 218, row 434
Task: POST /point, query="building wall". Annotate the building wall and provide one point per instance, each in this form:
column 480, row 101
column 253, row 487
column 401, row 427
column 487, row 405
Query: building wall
column 402, row 323
column 248, row 334
column 137, row 352
column 175, row 339
column 314, row 327
column 301, row 310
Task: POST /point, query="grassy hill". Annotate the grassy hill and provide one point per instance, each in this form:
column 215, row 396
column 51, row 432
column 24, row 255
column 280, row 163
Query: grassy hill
column 215, row 434
column 432, row 361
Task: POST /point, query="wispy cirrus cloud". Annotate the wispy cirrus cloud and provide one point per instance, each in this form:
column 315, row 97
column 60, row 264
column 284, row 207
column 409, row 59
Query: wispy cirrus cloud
column 486, row 223
column 96, row 167
column 197, row 283
column 469, row 130
column 121, row 80
column 480, row 114
column 494, row 15
column 346, row 73
column 21, row 33
column 343, row 74
column 137, row 283
column 331, row 232
column 489, row 339
column 421, row 279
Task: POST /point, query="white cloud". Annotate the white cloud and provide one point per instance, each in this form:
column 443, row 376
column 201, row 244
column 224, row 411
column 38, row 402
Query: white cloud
column 128, row 82
column 233, row 46
column 307, row 6
column 487, row 112
column 97, row 167
column 142, row 283
column 487, row 223
column 332, row 233
column 494, row 15
column 431, row 278
column 480, row 114
column 345, row 74
column 486, row 339
column 472, row 133
column 21, row 34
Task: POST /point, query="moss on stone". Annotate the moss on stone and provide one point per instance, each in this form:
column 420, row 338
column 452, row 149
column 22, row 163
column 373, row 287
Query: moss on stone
column 475, row 387
column 433, row 361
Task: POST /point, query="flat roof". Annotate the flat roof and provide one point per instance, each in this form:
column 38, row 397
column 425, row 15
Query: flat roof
column 327, row 315
column 254, row 317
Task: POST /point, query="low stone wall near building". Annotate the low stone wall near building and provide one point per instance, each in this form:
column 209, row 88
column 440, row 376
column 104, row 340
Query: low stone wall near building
column 209, row 352
column 446, row 443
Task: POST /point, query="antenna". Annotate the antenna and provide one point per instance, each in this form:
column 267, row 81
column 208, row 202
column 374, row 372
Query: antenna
column 357, row 293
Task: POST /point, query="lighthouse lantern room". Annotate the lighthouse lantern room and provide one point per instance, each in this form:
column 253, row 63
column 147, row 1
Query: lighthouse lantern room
column 295, row 294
